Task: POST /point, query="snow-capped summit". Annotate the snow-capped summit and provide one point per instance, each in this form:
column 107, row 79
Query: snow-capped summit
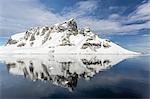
column 63, row 37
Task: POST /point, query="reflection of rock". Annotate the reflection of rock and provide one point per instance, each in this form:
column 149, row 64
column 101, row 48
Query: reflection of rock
column 61, row 70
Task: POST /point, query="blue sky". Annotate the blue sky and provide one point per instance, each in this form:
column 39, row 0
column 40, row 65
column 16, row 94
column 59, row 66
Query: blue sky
column 126, row 22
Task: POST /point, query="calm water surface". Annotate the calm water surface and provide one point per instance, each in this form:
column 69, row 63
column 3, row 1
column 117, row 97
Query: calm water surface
column 74, row 76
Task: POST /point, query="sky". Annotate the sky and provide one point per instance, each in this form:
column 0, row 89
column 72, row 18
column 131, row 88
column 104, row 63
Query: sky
column 126, row 22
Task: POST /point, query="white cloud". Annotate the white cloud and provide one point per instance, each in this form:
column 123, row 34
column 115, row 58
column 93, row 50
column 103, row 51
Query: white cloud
column 114, row 24
column 114, row 16
column 141, row 13
column 19, row 15
column 100, row 25
column 80, row 9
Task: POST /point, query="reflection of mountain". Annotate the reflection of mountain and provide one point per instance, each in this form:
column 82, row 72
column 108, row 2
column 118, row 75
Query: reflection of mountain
column 60, row 70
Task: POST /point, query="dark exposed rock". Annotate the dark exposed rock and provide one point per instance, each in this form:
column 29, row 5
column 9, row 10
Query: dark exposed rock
column 27, row 35
column 46, row 28
column 50, row 38
column 72, row 25
column 106, row 45
column 31, row 44
column 38, row 32
column 65, row 41
column 43, row 32
column 21, row 62
column 46, row 37
column 11, row 65
column 11, row 41
column 32, row 37
column 21, row 44
column 87, row 30
column 108, row 40
column 86, row 45
column 81, row 31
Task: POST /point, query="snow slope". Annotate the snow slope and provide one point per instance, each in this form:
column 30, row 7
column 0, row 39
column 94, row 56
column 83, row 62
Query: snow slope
column 61, row 38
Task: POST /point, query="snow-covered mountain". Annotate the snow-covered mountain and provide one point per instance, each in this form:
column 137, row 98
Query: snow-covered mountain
column 61, row 70
column 64, row 37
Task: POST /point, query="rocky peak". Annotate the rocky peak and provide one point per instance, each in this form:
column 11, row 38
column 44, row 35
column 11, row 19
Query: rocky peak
column 70, row 25
column 69, row 28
